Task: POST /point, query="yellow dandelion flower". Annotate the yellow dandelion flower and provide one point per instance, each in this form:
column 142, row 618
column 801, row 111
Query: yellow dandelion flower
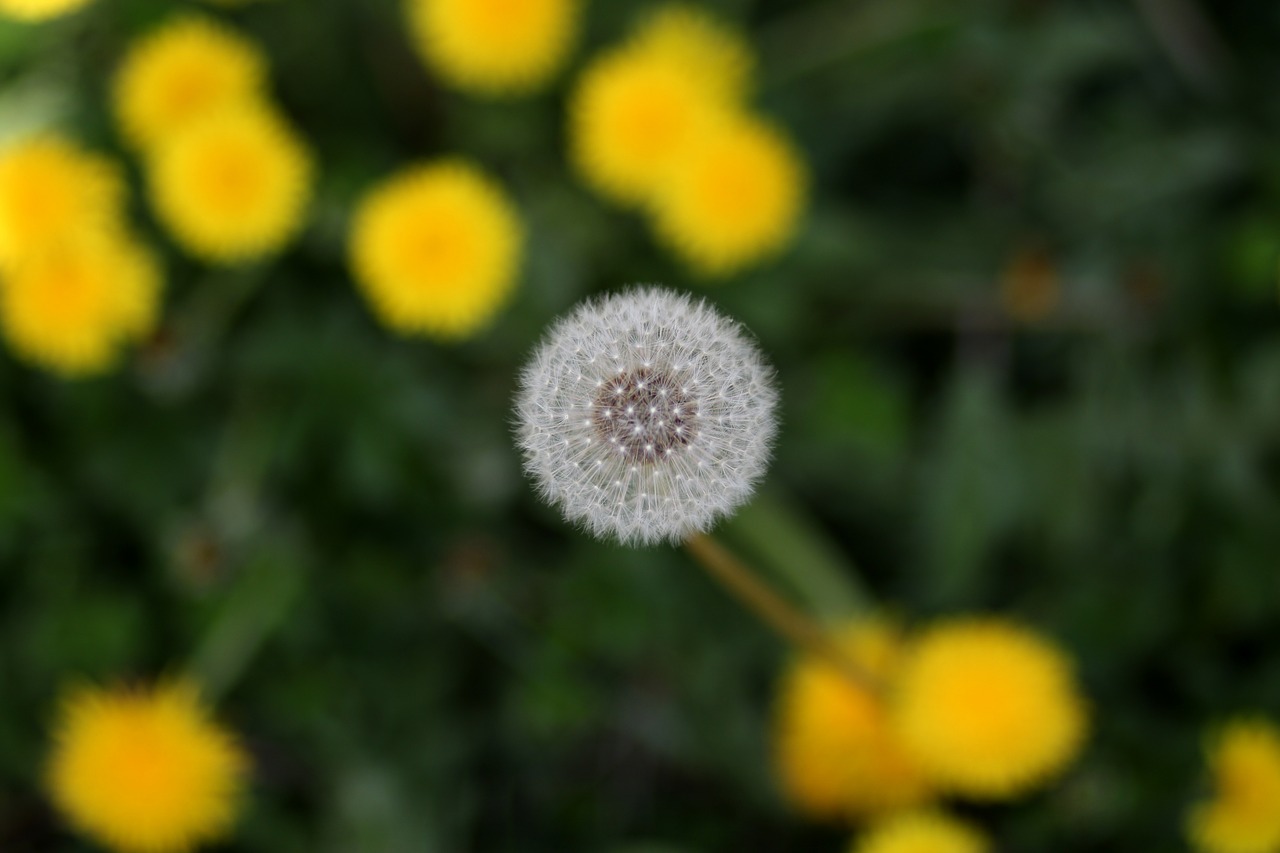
column 494, row 47
column 734, row 198
column 835, row 752
column 51, row 189
column 39, row 10
column 716, row 56
column 922, row 832
column 1243, row 815
column 73, row 306
column 181, row 72
column 987, row 707
column 632, row 115
column 145, row 771
column 436, row 249
column 233, row 186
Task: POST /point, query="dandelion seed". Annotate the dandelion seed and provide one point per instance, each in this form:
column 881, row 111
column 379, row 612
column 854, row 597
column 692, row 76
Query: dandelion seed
column 658, row 433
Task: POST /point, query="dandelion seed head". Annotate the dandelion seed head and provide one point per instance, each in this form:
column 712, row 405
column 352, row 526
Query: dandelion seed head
column 646, row 416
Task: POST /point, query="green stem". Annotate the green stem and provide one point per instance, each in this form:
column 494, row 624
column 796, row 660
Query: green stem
column 772, row 609
column 796, row 551
column 267, row 587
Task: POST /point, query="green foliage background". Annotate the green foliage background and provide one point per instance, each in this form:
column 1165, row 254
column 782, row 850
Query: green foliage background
column 331, row 526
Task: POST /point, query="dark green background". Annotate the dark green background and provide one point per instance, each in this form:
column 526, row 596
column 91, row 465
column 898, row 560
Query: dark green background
column 331, row 525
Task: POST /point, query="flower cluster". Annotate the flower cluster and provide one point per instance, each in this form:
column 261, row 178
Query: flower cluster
column 836, row 753
column 145, row 770
column 494, row 47
column 661, row 123
column 646, row 416
column 76, row 285
column 227, row 175
column 978, row 707
column 1243, row 813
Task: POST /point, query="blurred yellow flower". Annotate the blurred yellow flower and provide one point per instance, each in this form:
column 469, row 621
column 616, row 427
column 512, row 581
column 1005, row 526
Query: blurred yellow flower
column 494, row 47
column 39, row 10
column 921, row 832
column 1243, row 815
column 234, row 185
column 145, row 771
column 1030, row 285
column 988, row 707
column 436, row 249
column 835, row 752
column 181, row 72
column 733, row 198
column 633, row 114
column 51, row 189
column 638, row 108
column 73, row 306
column 718, row 58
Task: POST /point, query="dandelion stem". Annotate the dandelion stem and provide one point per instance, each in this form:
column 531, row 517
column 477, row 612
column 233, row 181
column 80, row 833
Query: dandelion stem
column 771, row 608
column 786, row 546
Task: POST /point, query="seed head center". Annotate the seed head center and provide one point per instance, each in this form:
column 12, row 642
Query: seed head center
column 646, row 414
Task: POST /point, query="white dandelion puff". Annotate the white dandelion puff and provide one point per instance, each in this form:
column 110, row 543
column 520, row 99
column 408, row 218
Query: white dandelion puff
column 646, row 415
